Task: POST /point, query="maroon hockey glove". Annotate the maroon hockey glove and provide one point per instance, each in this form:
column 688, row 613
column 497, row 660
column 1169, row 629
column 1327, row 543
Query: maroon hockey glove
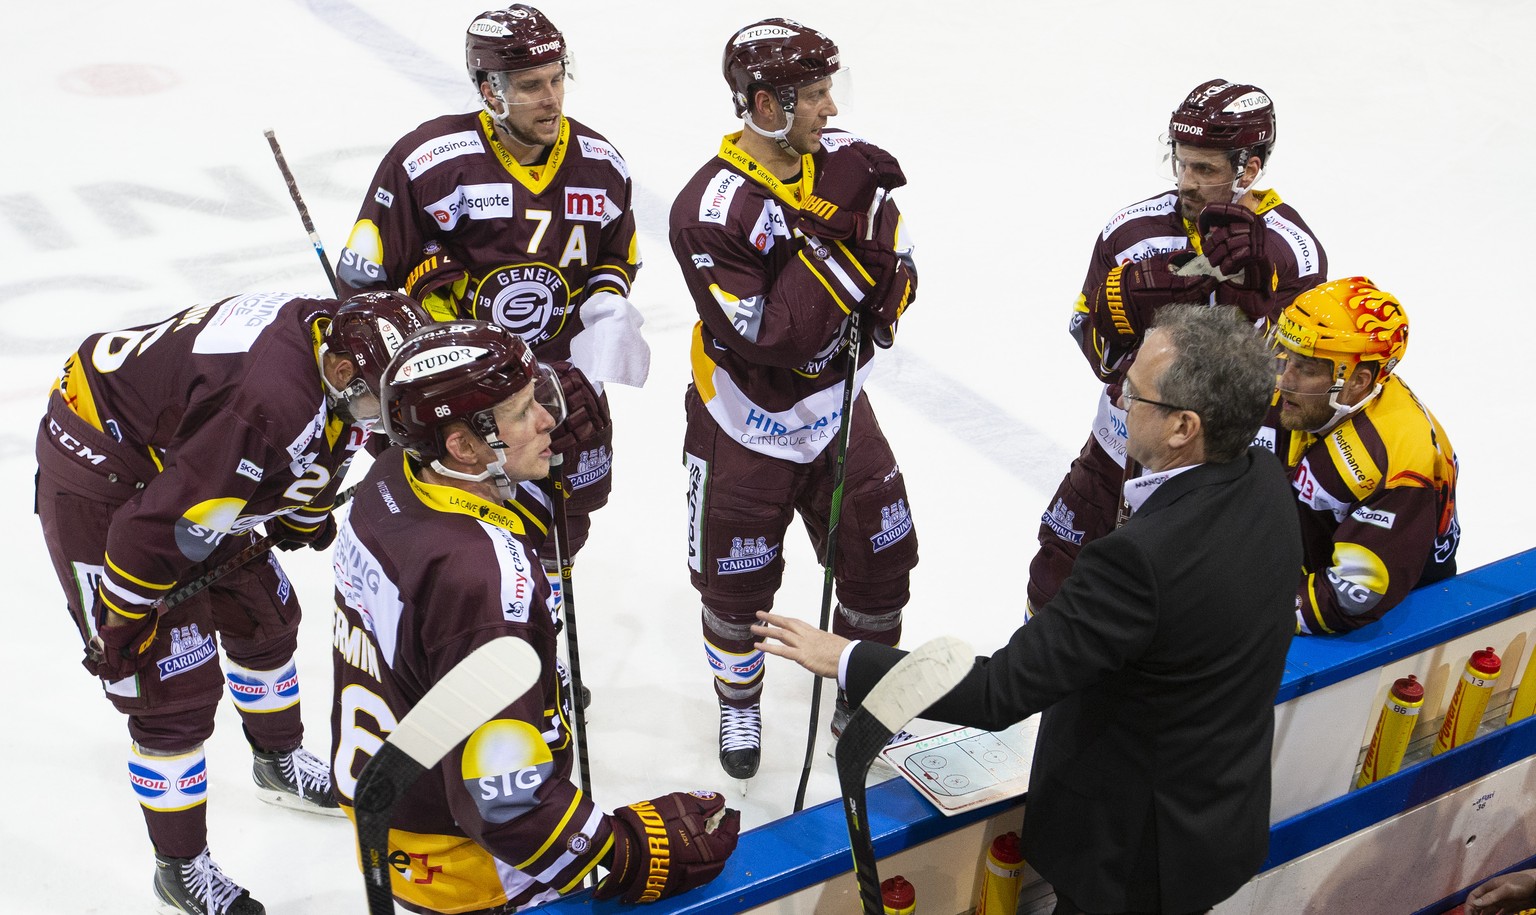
column 843, row 190
column 121, row 649
column 669, row 845
column 291, row 537
column 892, row 293
column 1131, row 294
column 1232, row 237
column 585, row 416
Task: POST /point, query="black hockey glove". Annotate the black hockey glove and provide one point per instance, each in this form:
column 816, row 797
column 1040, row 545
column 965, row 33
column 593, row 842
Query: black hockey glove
column 1233, row 239
column 844, row 189
column 669, row 845
column 586, row 417
column 290, row 536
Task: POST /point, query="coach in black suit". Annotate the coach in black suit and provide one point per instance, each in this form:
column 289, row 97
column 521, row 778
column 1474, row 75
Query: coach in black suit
column 1157, row 663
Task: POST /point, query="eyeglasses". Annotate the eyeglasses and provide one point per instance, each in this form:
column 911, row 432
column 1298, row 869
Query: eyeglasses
column 1129, row 396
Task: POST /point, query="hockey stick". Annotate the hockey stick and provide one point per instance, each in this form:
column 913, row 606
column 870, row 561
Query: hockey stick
column 562, row 543
column 486, row 681
column 298, row 201
column 256, row 548
column 834, row 515
column 916, row 682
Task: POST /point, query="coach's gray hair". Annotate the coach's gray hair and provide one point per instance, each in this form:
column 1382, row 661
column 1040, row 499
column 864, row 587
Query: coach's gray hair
column 1223, row 369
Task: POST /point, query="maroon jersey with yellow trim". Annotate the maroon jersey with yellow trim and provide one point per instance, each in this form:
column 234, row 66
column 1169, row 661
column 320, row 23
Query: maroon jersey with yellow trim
column 228, row 402
column 768, row 351
column 1377, row 499
column 533, row 241
column 424, row 575
column 1155, row 226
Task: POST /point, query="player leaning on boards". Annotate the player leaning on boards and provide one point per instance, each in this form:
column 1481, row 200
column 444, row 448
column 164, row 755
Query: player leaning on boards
column 774, row 239
column 435, row 559
column 520, row 216
column 1157, row 663
column 1374, row 473
column 1219, row 139
column 163, row 448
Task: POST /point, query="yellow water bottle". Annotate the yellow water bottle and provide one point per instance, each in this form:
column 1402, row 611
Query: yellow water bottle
column 1399, row 714
column 1001, row 877
column 1470, row 701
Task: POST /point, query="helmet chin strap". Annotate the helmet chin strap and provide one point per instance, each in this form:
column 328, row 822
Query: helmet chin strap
column 342, row 400
column 1341, row 411
column 495, row 471
column 779, row 136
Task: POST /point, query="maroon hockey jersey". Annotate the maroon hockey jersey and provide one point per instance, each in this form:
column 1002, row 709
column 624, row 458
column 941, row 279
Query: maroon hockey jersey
column 530, row 243
column 424, row 575
column 768, row 351
column 227, row 402
column 1155, row 226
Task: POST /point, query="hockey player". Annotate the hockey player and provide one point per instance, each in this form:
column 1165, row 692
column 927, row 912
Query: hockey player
column 517, row 215
column 437, row 558
column 1215, row 238
column 782, row 237
column 163, row 449
column 1374, row 472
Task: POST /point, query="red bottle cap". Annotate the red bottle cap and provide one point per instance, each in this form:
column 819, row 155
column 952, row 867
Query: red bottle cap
column 1408, row 689
column 1485, row 662
column 1005, row 848
column 896, row 893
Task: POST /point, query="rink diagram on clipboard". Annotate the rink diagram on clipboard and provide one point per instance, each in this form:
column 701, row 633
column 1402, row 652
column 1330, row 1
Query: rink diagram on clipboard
column 962, row 768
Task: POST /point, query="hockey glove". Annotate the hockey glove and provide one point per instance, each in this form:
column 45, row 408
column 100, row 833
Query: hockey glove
column 586, row 417
column 120, row 647
column 291, row 536
column 1233, row 239
column 669, row 845
column 1131, row 294
column 844, row 190
column 893, row 292
column 439, row 283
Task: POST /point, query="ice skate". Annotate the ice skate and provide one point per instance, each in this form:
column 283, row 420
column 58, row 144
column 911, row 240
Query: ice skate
column 196, row 886
column 841, row 712
column 297, row 779
column 741, row 740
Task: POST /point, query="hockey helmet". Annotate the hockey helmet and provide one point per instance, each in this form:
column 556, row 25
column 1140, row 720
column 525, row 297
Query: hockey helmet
column 369, row 328
column 779, row 55
column 1346, row 322
column 460, row 371
column 1222, row 115
column 516, row 38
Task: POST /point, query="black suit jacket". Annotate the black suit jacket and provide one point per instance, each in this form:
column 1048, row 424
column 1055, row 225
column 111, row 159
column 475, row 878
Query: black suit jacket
column 1156, row 666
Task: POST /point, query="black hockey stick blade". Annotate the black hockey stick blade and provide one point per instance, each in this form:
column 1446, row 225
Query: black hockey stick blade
column 916, row 682
column 489, row 679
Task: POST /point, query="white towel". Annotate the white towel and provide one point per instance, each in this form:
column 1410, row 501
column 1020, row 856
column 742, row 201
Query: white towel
column 610, row 346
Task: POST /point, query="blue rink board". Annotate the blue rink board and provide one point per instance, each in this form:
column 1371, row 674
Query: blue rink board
column 810, row 847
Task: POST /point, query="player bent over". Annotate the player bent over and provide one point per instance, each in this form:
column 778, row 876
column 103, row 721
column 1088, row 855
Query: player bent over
column 437, row 557
column 782, row 237
column 163, row 449
column 1216, row 239
column 1374, row 472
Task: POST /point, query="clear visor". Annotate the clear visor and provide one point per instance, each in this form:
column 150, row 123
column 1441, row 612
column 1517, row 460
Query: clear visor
column 838, row 88
column 547, row 392
column 1206, row 169
column 536, row 86
column 358, row 403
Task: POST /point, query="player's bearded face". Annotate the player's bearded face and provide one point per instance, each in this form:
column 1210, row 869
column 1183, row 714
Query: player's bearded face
column 534, row 101
column 1204, row 177
column 1304, row 383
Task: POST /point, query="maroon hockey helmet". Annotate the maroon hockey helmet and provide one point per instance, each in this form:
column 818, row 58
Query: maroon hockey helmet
column 516, row 38
column 459, row 371
column 779, row 55
column 369, row 328
column 1223, row 115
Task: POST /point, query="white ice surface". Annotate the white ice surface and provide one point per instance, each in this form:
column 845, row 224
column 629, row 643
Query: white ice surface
column 136, row 182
